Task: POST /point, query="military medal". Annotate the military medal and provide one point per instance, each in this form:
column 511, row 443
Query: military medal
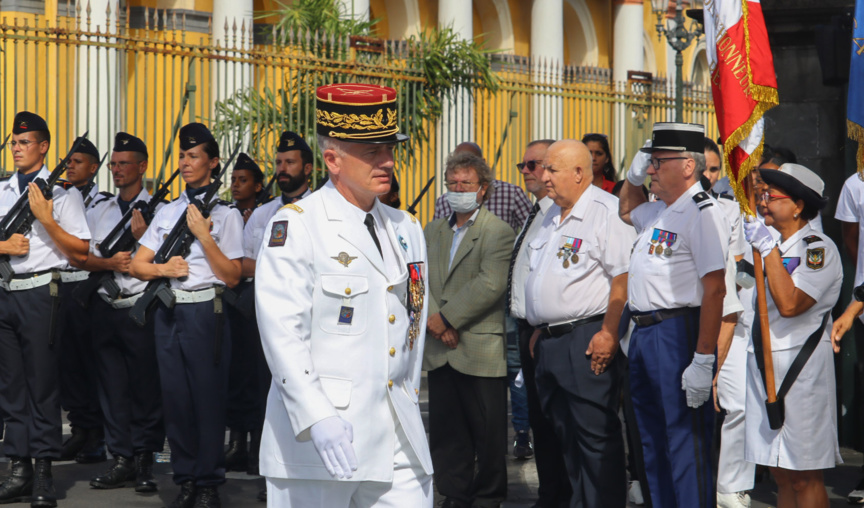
column 669, row 238
column 651, row 248
column 567, row 249
column 416, row 292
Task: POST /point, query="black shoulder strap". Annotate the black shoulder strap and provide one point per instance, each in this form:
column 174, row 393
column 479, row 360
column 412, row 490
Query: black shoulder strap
column 702, row 200
column 800, row 359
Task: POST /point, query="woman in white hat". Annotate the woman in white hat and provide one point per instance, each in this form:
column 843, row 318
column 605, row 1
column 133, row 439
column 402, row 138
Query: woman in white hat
column 797, row 438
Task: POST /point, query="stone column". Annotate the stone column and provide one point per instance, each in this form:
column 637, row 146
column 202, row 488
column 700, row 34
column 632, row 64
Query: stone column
column 357, row 8
column 627, row 55
column 232, row 32
column 547, row 60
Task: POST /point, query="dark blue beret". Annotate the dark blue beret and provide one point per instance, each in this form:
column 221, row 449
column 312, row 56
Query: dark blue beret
column 124, row 142
column 26, row 121
column 89, row 148
column 194, row 134
column 246, row 162
column 292, row 141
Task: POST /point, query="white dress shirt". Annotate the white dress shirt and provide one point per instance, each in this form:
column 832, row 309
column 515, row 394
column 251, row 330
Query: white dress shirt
column 520, row 266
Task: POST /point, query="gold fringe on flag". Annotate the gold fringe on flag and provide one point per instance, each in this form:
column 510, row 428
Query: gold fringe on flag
column 856, row 133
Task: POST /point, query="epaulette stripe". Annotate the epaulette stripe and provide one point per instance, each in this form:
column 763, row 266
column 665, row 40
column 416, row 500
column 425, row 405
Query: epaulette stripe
column 812, row 238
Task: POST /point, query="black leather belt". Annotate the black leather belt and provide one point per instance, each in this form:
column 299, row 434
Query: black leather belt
column 565, row 328
column 655, row 316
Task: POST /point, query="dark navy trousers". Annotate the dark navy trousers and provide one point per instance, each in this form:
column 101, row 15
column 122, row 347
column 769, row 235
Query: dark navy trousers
column 249, row 376
column 194, row 390
column 128, row 381
column 79, row 392
column 583, row 410
column 29, row 385
column 676, row 440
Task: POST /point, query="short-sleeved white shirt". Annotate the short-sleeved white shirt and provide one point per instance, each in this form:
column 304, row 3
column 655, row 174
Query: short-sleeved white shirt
column 253, row 232
column 850, row 208
column 595, row 243
column 69, row 214
column 102, row 218
column 699, row 241
column 814, row 263
column 520, row 266
column 737, row 243
column 226, row 230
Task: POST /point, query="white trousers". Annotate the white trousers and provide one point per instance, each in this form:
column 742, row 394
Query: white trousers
column 411, row 487
column 734, row 473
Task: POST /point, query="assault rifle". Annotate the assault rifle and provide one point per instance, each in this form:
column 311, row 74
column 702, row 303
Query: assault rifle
column 413, row 208
column 177, row 243
column 85, row 193
column 266, row 194
column 20, row 218
column 3, row 147
column 120, row 239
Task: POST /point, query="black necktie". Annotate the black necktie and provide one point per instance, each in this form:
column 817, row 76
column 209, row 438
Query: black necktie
column 516, row 248
column 370, row 225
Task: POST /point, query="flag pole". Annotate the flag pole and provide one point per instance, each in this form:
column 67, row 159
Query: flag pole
column 762, row 306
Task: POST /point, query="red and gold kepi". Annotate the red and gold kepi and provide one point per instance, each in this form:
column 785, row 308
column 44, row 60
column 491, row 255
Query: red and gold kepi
column 358, row 113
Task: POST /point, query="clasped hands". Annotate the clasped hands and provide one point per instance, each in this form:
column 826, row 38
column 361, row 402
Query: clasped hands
column 438, row 328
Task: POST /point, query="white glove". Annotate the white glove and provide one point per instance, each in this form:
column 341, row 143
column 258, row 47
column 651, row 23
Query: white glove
column 639, row 167
column 519, row 382
column 758, row 235
column 332, row 438
column 698, row 379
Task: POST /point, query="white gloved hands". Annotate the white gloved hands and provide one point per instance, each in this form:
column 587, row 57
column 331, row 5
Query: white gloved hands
column 698, row 379
column 332, row 438
column 639, row 167
column 758, row 235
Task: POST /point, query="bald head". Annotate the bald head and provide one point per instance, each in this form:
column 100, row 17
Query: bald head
column 470, row 147
column 568, row 171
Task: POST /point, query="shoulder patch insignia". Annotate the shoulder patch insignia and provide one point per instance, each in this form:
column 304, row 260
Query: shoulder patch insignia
column 292, row 206
column 816, row 258
column 278, row 233
column 63, row 184
column 812, row 238
column 702, row 200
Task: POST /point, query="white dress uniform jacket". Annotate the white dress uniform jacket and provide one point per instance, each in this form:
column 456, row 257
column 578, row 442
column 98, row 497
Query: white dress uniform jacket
column 69, row 214
column 314, row 267
column 102, row 217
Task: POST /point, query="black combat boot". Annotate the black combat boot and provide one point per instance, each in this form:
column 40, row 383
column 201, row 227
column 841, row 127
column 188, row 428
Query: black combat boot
column 186, row 497
column 19, row 485
column 93, row 450
column 121, row 474
column 207, row 497
column 144, row 481
column 44, row 495
column 74, row 444
column 236, row 455
column 254, row 446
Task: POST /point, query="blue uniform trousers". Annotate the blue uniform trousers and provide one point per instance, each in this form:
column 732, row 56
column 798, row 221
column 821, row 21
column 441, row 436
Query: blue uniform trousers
column 249, row 376
column 79, row 387
column 128, row 381
column 194, row 390
column 676, row 440
column 29, row 384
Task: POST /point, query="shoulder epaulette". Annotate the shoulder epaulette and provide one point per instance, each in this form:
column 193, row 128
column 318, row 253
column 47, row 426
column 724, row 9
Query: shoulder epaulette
column 5, row 178
column 103, row 199
column 292, row 206
column 410, row 216
column 702, row 200
column 65, row 185
column 106, row 194
column 229, row 204
column 726, row 196
column 812, row 239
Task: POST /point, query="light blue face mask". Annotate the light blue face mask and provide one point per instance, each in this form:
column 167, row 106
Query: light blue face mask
column 462, row 202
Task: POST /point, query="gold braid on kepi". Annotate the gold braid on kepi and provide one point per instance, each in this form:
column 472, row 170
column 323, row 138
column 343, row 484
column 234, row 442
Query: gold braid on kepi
column 358, row 113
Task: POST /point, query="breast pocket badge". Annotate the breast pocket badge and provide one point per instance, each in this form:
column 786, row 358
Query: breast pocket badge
column 346, row 314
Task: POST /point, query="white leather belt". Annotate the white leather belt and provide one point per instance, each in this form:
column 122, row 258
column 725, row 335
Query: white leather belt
column 124, row 302
column 74, row 276
column 28, row 283
column 202, row 295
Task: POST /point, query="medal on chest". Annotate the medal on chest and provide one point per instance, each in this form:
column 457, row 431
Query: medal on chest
column 662, row 242
column 568, row 250
column 416, row 290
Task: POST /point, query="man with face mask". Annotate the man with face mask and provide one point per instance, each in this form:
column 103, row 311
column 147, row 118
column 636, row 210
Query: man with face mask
column 466, row 359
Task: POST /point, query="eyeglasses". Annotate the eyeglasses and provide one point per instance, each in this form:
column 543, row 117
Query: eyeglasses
column 24, row 143
column 532, row 165
column 464, row 185
column 656, row 162
column 767, row 197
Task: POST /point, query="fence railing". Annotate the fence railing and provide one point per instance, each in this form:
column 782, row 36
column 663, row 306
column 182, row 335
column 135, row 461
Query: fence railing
column 130, row 72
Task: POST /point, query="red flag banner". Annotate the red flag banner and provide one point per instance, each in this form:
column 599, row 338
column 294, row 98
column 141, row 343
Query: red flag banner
column 742, row 82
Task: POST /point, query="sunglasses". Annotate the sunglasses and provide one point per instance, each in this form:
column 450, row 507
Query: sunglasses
column 532, row 165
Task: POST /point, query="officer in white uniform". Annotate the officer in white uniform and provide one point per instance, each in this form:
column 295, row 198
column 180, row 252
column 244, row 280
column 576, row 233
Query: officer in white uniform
column 676, row 289
column 574, row 295
column 803, row 278
column 340, row 285
column 29, row 353
column 192, row 339
column 124, row 353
